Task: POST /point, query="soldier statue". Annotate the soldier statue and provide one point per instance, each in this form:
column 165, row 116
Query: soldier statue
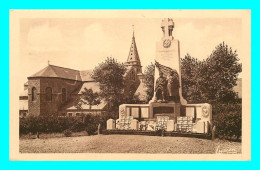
column 160, row 88
column 173, row 87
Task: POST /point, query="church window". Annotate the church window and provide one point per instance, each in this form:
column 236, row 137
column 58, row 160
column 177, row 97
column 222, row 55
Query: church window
column 48, row 94
column 63, row 94
column 33, row 94
column 133, row 75
column 77, row 114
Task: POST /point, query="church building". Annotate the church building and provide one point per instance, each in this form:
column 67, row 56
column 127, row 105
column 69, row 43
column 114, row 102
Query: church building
column 54, row 90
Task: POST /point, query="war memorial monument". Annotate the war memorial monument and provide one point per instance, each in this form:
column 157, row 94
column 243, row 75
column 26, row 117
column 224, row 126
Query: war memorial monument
column 167, row 110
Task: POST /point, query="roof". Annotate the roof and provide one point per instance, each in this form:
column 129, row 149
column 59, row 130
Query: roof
column 141, row 92
column 86, row 75
column 62, row 72
column 101, row 106
column 128, row 70
column 89, row 85
column 59, row 72
column 133, row 53
column 238, row 87
column 23, row 104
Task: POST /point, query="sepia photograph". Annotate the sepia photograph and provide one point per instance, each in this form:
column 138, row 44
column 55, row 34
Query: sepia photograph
column 130, row 84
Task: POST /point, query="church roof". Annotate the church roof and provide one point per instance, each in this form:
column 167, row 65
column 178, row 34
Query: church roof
column 141, row 92
column 66, row 73
column 59, row 72
column 86, row 75
column 89, row 85
column 133, row 53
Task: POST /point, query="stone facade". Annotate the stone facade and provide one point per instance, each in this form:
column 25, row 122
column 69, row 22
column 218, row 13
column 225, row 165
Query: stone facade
column 42, row 107
column 54, row 90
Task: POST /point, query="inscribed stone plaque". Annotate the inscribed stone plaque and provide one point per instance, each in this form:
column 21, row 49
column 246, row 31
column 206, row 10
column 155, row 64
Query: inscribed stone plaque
column 135, row 112
column 144, row 112
column 199, row 112
column 190, row 112
column 170, row 125
column 110, row 124
column 134, row 124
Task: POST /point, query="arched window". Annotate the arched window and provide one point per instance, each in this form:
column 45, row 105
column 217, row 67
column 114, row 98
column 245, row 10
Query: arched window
column 63, row 94
column 33, row 94
column 133, row 75
column 48, row 94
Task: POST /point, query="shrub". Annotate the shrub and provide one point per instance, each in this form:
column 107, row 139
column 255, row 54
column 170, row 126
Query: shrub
column 67, row 133
column 228, row 120
column 56, row 124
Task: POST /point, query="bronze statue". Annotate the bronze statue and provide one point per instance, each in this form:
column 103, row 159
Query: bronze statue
column 173, row 87
column 160, row 88
column 167, row 89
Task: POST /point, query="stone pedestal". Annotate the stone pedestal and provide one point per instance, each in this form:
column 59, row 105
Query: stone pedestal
column 111, row 124
column 170, row 125
column 172, row 110
column 134, row 124
column 199, row 127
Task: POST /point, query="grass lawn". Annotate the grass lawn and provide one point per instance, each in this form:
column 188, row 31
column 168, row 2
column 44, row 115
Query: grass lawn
column 125, row 144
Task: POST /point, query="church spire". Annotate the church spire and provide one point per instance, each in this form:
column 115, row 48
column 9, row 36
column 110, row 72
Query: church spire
column 133, row 57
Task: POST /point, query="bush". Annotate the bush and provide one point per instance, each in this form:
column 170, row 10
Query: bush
column 228, row 120
column 60, row 124
column 67, row 133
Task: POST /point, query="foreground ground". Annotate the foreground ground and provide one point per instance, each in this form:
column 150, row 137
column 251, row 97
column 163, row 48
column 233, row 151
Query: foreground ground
column 126, row 144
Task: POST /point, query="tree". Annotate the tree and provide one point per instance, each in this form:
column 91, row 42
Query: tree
column 211, row 80
column 222, row 73
column 90, row 98
column 78, row 104
column 192, row 79
column 110, row 74
column 149, row 80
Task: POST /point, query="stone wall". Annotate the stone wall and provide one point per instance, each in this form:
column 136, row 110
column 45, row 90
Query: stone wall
column 34, row 106
column 43, row 107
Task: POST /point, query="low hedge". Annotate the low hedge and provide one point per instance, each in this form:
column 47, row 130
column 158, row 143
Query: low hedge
column 228, row 120
column 60, row 124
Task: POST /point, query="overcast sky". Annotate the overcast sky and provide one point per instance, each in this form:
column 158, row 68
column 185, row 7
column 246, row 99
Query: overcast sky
column 83, row 43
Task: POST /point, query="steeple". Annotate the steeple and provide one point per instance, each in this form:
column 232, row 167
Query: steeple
column 133, row 57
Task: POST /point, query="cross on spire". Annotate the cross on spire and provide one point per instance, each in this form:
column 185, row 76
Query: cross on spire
column 133, row 30
column 167, row 27
column 48, row 62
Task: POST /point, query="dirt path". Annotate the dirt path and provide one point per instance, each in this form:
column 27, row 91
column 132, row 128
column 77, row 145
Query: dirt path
column 126, row 144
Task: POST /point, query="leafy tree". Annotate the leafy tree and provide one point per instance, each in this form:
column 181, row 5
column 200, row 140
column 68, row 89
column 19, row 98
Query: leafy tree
column 78, row 104
column 90, row 98
column 211, row 80
column 109, row 74
column 192, row 79
column 221, row 74
column 131, row 97
column 149, row 81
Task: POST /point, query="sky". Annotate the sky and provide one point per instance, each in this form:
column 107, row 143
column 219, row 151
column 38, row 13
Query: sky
column 82, row 43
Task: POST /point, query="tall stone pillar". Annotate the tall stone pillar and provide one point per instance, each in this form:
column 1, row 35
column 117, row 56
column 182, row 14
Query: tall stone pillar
column 168, row 54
